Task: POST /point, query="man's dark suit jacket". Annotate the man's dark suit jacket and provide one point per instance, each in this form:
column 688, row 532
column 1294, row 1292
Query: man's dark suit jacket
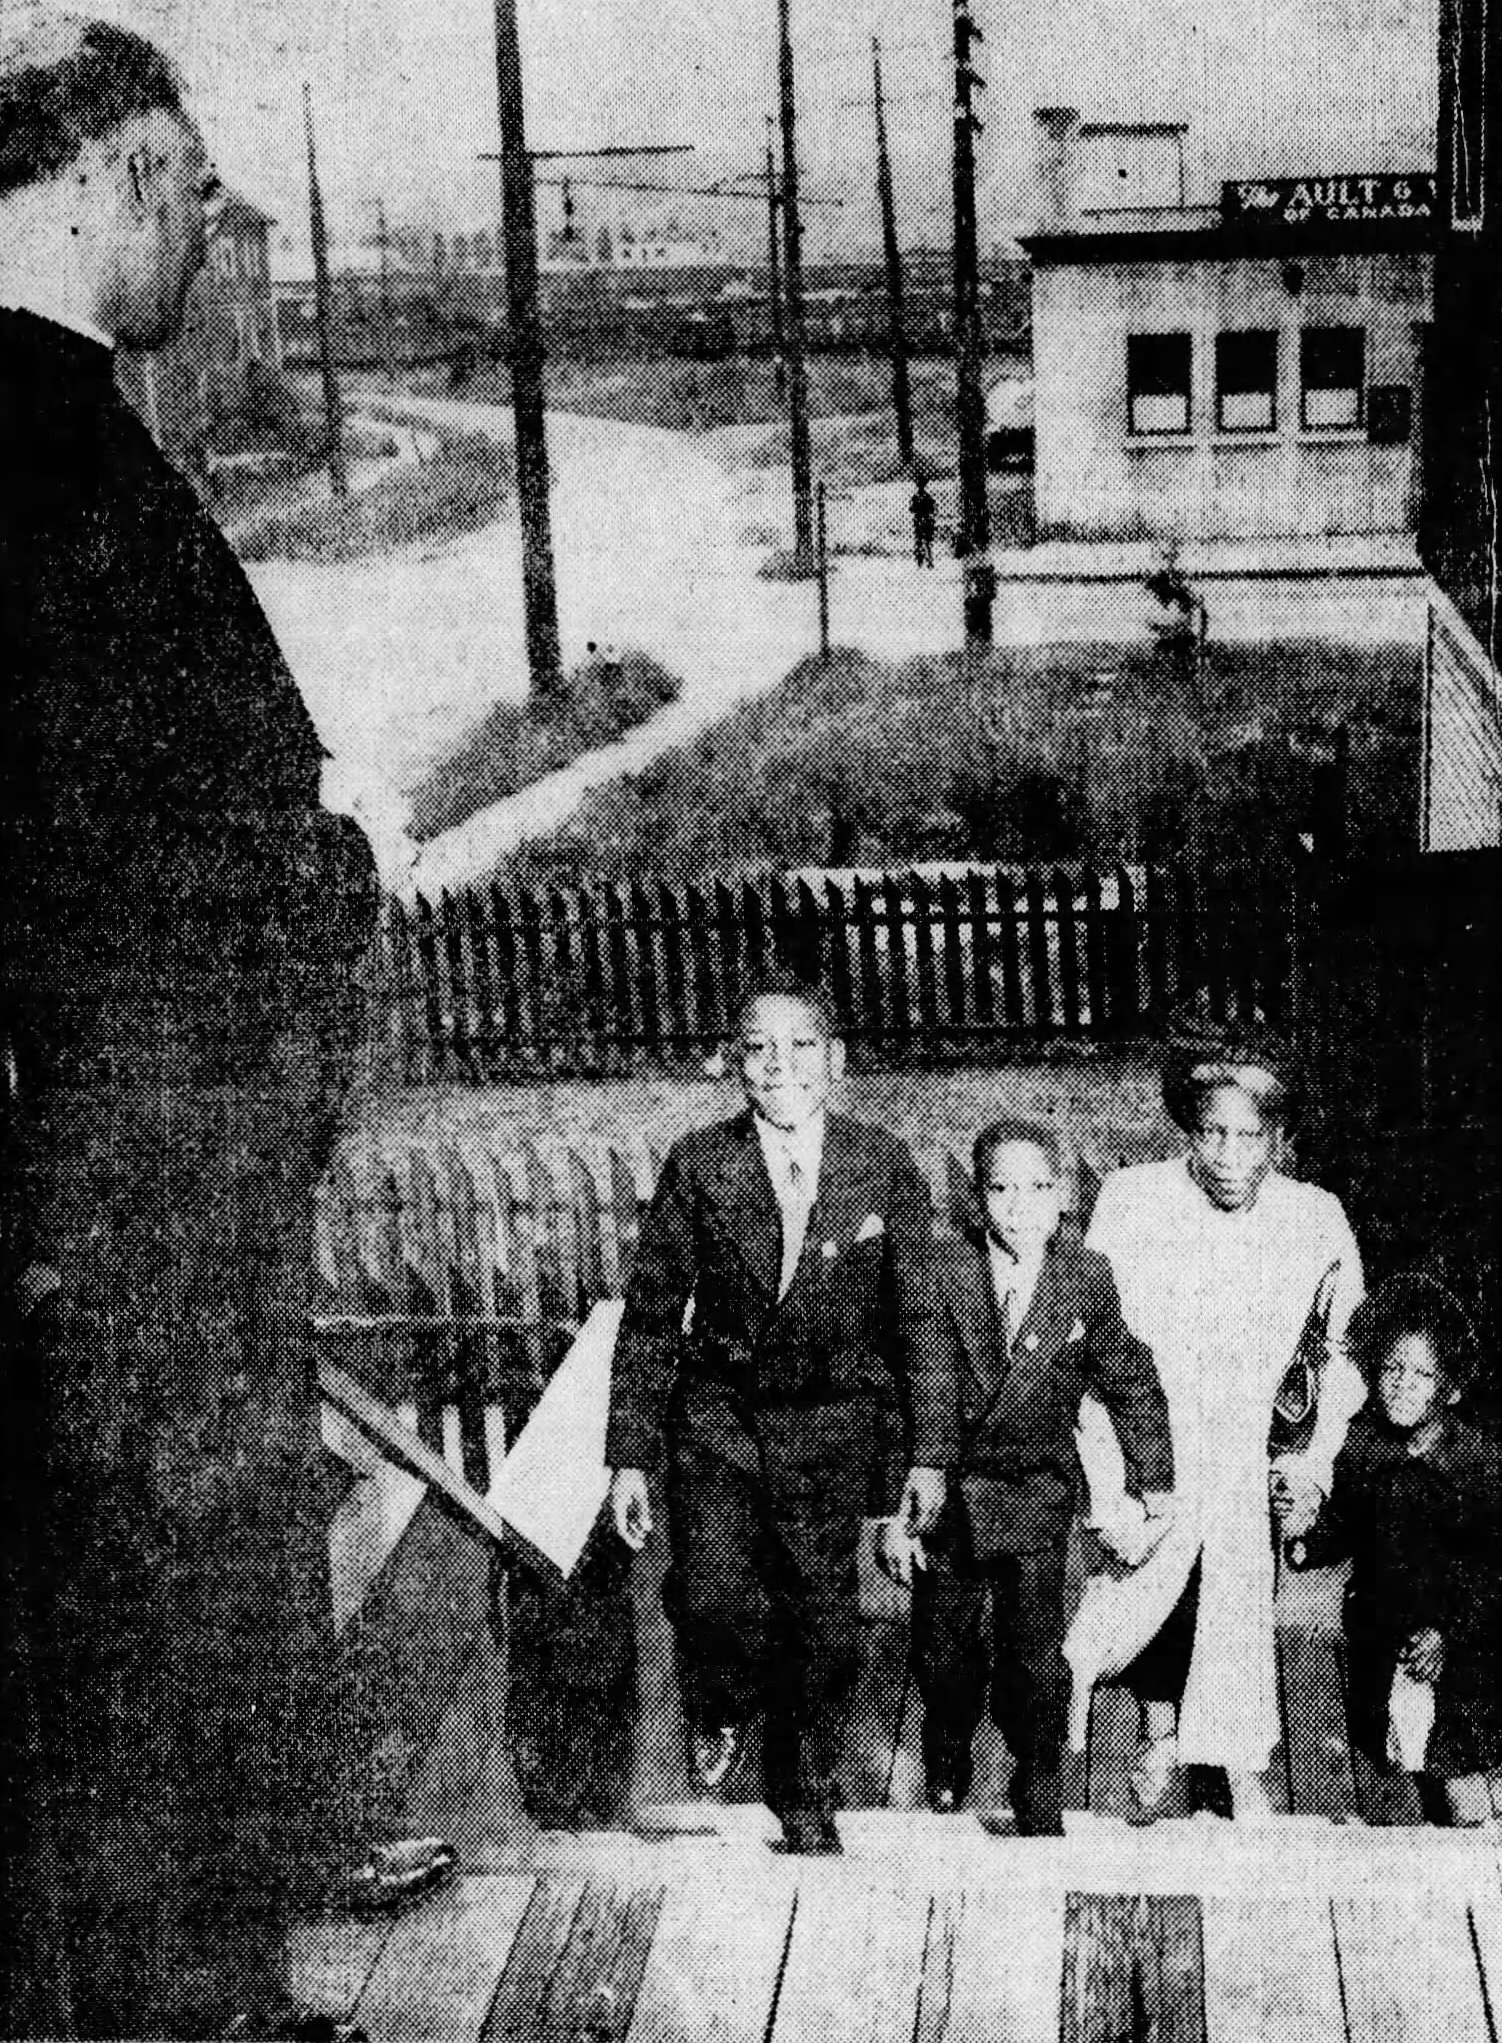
column 759, row 1380
column 180, row 923
column 1017, row 1466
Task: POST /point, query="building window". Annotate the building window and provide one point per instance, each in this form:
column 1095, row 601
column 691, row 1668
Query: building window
column 1246, row 382
column 1465, row 60
column 1158, row 369
column 224, row 258
column 1333, row 375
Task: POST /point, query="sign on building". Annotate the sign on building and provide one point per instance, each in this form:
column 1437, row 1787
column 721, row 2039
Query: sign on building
column 1293, row 202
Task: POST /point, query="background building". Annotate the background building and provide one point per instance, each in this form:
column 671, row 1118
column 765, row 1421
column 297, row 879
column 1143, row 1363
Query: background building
column 200, row 383
column 1241, row 370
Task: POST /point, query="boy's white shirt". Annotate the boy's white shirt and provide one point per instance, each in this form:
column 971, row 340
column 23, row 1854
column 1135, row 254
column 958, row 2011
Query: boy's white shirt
column 1013, row 1282
column 781, row 1149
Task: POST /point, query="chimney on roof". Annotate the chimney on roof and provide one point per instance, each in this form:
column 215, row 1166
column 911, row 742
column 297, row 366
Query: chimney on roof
column 1056, row 131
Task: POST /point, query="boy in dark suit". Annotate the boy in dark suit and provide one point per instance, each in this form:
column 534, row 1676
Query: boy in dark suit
column 802, row 1239
column 1031, row 1321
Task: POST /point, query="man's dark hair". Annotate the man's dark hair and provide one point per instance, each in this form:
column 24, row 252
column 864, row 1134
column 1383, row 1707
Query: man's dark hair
column 999, row 1133
column 66, row 81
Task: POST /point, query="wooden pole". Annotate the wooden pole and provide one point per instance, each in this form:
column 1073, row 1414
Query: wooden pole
column 387, row 353
column 902, row 402
column 792, row 230
column 823, row 549
column 974, row 534
column 774, row 269
column 333, row 415
column 519, row 219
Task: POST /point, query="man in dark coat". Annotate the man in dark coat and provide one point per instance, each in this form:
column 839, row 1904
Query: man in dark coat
column 802, row 1239
column 1031, row 1321
column 179, row 925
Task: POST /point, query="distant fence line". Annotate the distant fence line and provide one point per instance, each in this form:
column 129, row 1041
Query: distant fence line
column 494, row 984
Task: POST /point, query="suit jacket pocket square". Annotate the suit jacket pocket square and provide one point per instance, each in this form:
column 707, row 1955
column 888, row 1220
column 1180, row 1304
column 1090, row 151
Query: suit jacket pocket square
column 871, row 1227
column 1077, row 1331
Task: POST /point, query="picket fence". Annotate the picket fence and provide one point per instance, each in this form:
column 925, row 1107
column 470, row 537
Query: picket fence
column 489, row 985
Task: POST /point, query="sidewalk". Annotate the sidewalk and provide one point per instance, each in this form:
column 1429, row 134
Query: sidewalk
column 1355, row 555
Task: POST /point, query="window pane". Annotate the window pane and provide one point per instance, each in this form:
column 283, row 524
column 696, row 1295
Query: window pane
column 1333, row 366
column 1157, row 364
column 1332, row 407
column 1158, row 382
column 1246, row 378
column 1245, row 361
column 1334, row 357
column 1246, row 411
column 1167, row 414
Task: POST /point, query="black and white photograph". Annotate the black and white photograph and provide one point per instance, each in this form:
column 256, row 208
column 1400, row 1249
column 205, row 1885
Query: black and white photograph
column 751, row 1021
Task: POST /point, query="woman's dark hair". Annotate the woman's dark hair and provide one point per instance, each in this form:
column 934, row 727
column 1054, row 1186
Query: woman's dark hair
column 66, row 80
column 997, row 1134
column 1203, row 1055
column 1417, row 1303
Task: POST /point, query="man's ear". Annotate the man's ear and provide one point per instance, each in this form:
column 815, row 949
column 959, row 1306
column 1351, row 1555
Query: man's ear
column 836, row 1057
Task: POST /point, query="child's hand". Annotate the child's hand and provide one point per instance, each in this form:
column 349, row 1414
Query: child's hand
column 898, row 1552
column 1424, row 1655
column 1132, row 1534
column 1296, row 1500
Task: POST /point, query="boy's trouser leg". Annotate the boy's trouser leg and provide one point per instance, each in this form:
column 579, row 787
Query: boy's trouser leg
column 951, row 1663
column 814, row 1649
column 715, row 1593
column 1030, row 1681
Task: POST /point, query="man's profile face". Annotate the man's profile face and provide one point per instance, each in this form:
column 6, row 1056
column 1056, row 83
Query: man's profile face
column 788, row 1063
column 162, row 178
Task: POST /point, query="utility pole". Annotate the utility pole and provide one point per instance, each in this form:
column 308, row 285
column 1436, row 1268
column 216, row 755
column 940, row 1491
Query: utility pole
column 974, row 534
column 823, row 552
column 792, row 228
column 332, row 413
column 387, row 354
column 774, row 269
column 902, row 401
column 519, row 219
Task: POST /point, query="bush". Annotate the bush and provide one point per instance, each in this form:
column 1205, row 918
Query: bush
column 515, row 744
column 464, row 486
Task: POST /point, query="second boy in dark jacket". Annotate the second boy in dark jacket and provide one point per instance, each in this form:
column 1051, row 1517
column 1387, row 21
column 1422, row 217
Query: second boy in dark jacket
column 1033, row 1322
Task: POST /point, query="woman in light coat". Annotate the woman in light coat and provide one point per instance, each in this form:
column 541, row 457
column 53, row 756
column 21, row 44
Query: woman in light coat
column 1221, row 1260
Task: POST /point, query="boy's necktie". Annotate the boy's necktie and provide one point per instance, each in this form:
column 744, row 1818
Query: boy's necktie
column 796, row 1206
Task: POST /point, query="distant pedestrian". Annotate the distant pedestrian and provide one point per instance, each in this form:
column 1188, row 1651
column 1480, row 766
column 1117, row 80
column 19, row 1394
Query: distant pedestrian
column 925, row 523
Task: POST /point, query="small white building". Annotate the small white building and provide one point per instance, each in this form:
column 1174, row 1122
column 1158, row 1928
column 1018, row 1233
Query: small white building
column 1232, row 371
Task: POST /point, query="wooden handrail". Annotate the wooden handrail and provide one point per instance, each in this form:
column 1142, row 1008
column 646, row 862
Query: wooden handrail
column 401, row 1445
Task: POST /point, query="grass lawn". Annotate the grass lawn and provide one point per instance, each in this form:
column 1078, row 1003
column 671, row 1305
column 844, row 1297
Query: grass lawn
column 464, row 486
column 1065, row 751
column 514, row 744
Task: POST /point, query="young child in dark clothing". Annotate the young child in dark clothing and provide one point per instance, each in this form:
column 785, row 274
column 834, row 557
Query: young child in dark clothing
column 1417, row 1506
